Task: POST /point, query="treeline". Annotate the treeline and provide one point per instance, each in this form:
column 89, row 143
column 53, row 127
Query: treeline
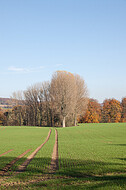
column 110, row 111
column 63, row 101
column 58, row 102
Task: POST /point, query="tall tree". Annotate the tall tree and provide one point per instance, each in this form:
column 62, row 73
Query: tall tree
column 111, row 112
column 93, row 112
column 46, row 102
column 32, row 104
column 123, row 105
column 81, row 97
column 37, row 101
column 63, row 94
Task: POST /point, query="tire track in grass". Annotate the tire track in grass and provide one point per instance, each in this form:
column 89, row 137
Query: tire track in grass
column 22, row 167
column 54, row 162
column 8, row 166
column 6, row 152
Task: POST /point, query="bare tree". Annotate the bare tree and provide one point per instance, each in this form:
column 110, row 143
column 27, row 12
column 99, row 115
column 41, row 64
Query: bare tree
column 63, row 93
column 37, row 100
column 16, row 115
column 59, row 102
column 45, row 102
column 81, row 97
column 17, row 98
column 32, row 103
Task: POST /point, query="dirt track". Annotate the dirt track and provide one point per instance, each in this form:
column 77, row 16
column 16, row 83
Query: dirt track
column 8, row 166
column 22, row 167
column 54, row 162
column 6, row 152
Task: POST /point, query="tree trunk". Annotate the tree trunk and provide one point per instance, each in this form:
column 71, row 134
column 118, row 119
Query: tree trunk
column 51, row 117
column 75, row 122
column 64, row 122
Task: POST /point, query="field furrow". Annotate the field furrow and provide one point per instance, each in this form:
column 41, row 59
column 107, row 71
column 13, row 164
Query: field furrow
column 54, row 162
column 89, row 156
column 8, row 166
column 22, row 167
column 6, row 152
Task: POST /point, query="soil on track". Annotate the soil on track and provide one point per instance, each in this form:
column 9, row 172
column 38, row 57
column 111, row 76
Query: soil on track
column 8, row 166
column 6, row 152
column 22, row 167
column 54, row 162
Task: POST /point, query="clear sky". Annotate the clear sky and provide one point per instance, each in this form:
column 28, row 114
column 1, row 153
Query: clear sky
column 87, row 37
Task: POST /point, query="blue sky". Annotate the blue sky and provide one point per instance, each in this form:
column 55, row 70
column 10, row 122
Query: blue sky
column 87, row 37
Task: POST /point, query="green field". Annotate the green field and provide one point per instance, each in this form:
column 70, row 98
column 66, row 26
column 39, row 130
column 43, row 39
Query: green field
column 91, row 156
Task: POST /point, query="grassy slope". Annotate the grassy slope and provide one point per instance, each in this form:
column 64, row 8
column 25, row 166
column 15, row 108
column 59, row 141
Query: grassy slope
column 20, row 139
column 42, row 160
column 95, row 153
column 91, row 156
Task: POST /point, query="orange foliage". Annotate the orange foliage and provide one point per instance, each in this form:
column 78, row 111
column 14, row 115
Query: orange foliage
column 93, row 113
column 123, row 105
column 111, row 112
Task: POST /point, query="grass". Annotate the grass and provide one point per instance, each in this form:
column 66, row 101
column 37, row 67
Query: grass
column 91, row 156
column 94, row 152
column 41, row 162
column 20, row 139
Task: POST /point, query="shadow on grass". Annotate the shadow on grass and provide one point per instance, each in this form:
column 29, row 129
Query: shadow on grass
column 123, row 159
column 117, row 144
column 72, row 174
